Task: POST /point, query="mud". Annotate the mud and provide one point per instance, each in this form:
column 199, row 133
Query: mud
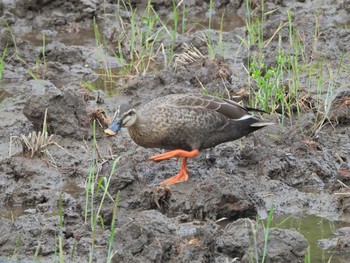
column 299, row 168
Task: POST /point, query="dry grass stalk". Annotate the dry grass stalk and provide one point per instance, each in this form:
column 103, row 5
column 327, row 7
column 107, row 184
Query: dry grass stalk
column 191, row 54
column 36, row 143
column 345, row 191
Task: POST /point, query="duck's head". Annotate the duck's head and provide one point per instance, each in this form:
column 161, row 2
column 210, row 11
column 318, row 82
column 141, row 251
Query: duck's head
column 126, row 120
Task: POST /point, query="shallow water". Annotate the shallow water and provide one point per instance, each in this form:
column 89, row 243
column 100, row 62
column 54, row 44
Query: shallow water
column 3, row 93
column 220, row 21
column 313, row 228
column 81, row 36
column 13, row 211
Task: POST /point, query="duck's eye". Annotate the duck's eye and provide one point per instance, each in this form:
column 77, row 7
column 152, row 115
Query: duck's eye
column 130, row 113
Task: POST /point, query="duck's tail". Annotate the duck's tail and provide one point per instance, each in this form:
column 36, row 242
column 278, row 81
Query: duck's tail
column 261, row 124
column 257, row 110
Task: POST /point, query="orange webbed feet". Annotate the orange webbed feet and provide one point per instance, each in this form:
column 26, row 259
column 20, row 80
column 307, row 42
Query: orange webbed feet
column 182, row 175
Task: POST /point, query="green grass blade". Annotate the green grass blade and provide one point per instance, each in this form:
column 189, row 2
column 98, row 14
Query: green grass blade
column 266, row 233
column 111, row 239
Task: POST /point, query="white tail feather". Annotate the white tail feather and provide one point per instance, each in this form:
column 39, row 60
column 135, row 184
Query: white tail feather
column 261, row 124
column 244, row 117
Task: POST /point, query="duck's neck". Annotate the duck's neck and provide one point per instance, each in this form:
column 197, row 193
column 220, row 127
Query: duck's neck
column 138, row 131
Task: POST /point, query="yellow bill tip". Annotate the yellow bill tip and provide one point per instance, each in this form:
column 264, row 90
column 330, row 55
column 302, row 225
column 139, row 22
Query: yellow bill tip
column 109, row 132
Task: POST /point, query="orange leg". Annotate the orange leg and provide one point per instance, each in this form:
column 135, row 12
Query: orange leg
column 174, row 153
column 182, row 175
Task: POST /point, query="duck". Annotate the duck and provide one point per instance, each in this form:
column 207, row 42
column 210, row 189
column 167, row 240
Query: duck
column 185, row 124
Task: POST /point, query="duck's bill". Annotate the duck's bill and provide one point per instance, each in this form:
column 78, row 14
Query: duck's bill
column 113, row 128
column 110, row 132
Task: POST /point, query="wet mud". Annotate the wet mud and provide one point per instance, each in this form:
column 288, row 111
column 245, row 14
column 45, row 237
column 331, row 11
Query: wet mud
column 300, row 167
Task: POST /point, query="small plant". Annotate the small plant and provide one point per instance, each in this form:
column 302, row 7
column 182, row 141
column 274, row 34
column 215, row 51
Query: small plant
column 141, row 39
column 190, row 54
column 220, row 42
column 271, row 94
column 266, row 233
column 38, row 247
column 95, row 201
column 17, row 245
column 324, row 110
column 35, row 144
column 111, row 253
column 10, row 37
column 254, row 257
column 2, row 62
column 39, row 70
column 184, row 19
column 210, row 43
column 277, row 87
column 307, row 258
column 254, row 26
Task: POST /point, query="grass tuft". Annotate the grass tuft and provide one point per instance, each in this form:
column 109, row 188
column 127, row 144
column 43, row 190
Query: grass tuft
column 96, row 192
column 36, row 144
column 190, row 54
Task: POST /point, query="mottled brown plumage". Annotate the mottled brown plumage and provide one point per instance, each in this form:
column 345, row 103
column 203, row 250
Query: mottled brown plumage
column 187, row 122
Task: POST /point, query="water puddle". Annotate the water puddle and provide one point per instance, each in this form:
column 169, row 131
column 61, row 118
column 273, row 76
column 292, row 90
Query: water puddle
column 313, row 228
column 70, row 187
column 222, row 22
column 13, row 211
column 111, row 80
column 106, row 80
column 85, row 36
column 3, row 92
column 69, row 37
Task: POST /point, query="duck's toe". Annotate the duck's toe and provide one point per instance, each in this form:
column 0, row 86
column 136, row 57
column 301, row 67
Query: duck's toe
column 182, row 176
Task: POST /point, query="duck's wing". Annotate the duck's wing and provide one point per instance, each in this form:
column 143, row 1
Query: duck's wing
column 228, row 108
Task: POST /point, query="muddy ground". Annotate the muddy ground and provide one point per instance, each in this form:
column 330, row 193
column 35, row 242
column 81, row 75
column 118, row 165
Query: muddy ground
column 295, row 167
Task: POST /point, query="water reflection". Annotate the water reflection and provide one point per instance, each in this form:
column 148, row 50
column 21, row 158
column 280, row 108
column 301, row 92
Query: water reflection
column 313, row 228
column 3, row 92
column 80, row 37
